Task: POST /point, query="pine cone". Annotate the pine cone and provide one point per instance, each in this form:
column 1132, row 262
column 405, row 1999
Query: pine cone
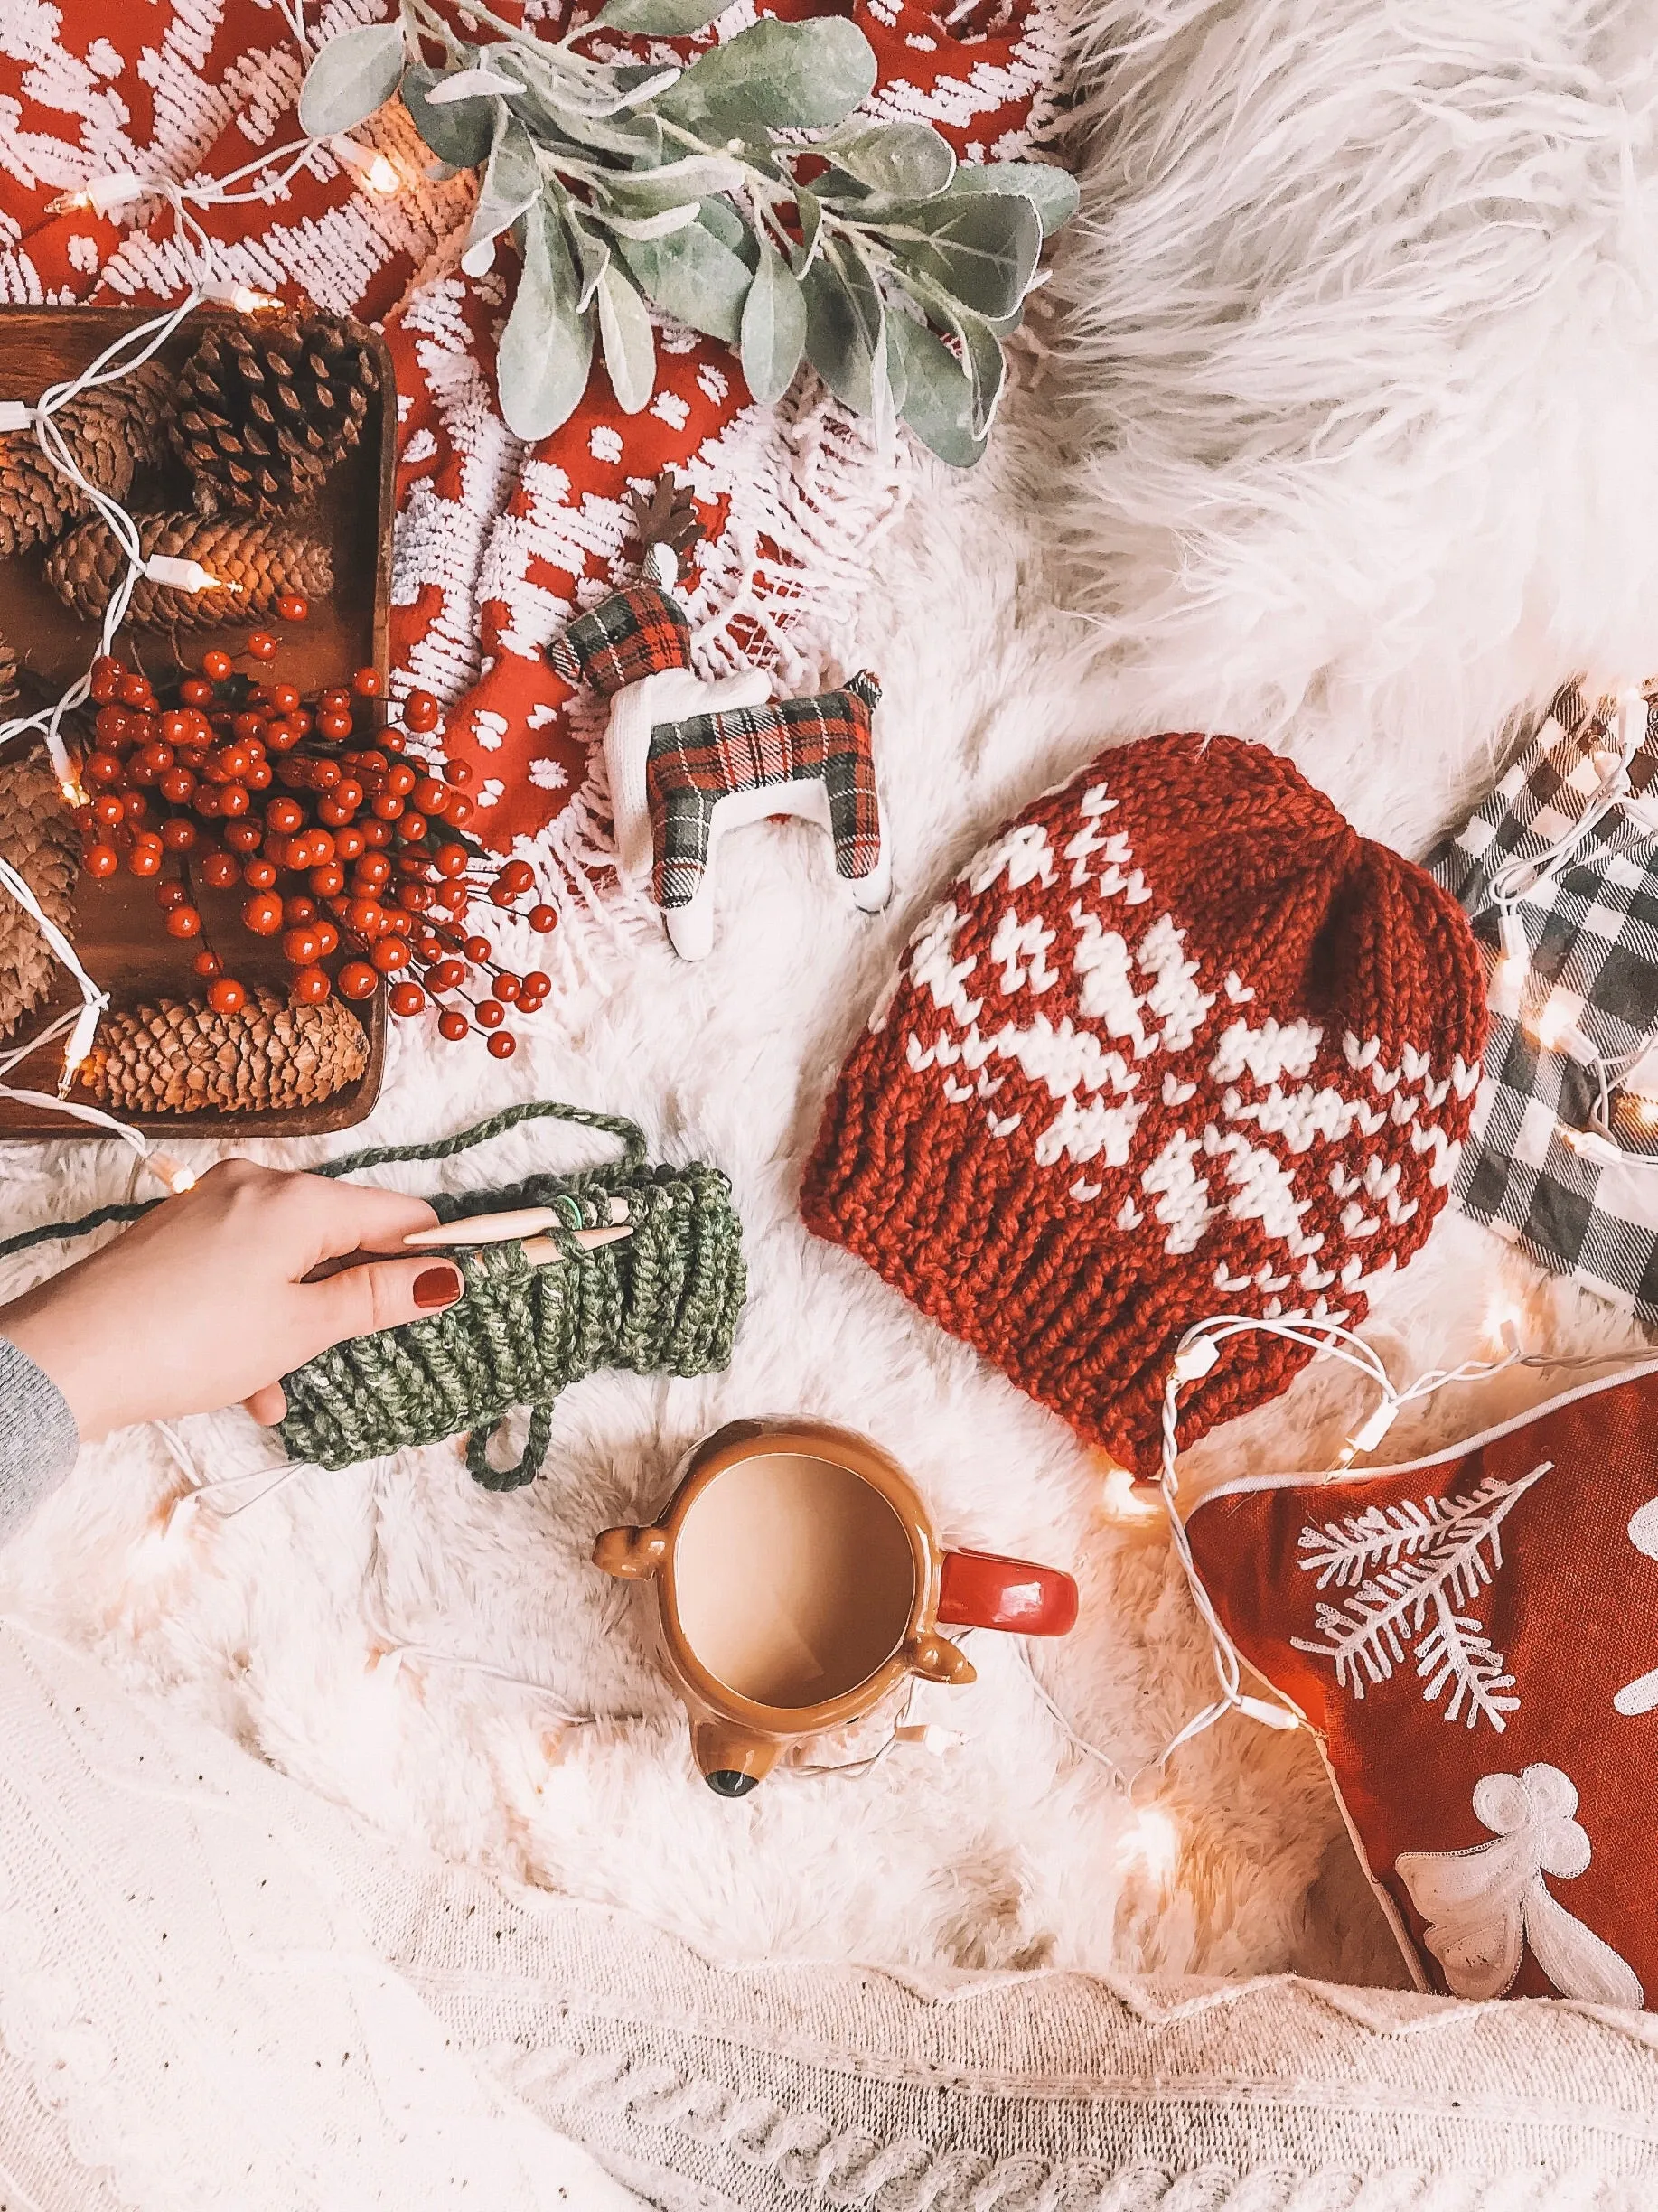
column 261, row 559
column 184, row 1058
column 39, row 839
column 147, row 398
column 35, row 499
column 264, row 408
column 8, row 670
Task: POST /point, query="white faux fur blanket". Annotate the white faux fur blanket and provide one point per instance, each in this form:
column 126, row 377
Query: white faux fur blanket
column 1343, row 439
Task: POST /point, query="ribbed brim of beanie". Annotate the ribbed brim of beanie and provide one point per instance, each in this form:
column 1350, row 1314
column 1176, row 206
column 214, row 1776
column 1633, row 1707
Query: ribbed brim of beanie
column 1177, row 1043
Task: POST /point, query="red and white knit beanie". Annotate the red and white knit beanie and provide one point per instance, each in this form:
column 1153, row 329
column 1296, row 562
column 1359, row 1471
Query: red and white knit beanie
column 1178, row 1043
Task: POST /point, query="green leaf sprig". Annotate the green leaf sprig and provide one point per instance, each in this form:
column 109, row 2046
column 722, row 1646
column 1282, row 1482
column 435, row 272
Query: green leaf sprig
column 735, row 195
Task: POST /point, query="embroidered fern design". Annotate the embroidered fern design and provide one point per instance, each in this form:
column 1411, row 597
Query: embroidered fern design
column 1413, row 1573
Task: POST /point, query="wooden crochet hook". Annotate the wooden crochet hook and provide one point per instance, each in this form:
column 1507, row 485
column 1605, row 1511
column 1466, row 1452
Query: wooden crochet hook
column 522, row 1222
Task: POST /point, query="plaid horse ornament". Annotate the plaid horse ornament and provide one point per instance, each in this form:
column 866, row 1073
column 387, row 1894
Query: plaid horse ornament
column 688, row 757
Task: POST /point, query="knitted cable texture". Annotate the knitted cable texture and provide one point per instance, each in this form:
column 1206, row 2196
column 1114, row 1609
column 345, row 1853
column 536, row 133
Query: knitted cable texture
column 665, row 1299
column 1177, row 1043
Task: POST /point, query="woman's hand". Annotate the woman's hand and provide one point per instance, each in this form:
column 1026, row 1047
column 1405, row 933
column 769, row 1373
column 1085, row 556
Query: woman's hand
column 205, row 1299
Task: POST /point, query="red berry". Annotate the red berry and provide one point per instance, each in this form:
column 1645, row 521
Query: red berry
column 310, row 987
column 357, row 979
column 430, row 796
column 138, row 808
column 364, row 917
column 445, row 975
column 477, row 948
column 503, row 1046
column 452, row 1025
column 407, row 999
column 282, row 735
column 301, row 947
column 400, row 779
column 336, row 700
column 371, row 872
column 145, row 859
column 415, row 898
column 263, row 646
column 171, row 894
column 101, row 861
column 543, row 919
column 390, row 954
column 263, row 913
column 285, row 815
column 109, row 810
column 184, row 922
column 133, row 690
column 234, row 799
column 194, row 693
column 243, row 837
column 258, row 874
column 387, row 806
column 332, row 723
column 328, row 879
column 178, row 835
column 489, row 1014
column 506, row 989
column 227, row 996
column 206, row 802
column 450, row 859
column 102, row 768
column 536, row 984
column 420, row 711
column 392, row 741
column 378, row 833
column 412, row 829
column 327, row 937
column 207, row 963
column 107, row 673
column 459, row 812
column 219, row 869
column 292, row 607
column 518, row 876
column 176, row 786
column 368, row 683
column 458, row 773
column 298, row 910
column 216, row 665
column 455, row 897
column 349, row 844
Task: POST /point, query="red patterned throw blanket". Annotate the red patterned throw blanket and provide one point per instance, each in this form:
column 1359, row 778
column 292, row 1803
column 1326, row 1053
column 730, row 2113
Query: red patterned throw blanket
column 499, row 542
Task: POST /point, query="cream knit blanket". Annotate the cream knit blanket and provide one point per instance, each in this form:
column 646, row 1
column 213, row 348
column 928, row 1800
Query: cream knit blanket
column 217, row 1989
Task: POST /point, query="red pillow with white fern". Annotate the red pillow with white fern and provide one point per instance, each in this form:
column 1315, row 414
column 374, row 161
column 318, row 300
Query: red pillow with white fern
column 1473, row 1637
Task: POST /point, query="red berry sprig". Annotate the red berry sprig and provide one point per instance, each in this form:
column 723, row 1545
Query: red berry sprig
column 354, row 856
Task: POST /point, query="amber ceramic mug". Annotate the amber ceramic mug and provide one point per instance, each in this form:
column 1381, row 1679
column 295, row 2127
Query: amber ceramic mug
column 798, row 1578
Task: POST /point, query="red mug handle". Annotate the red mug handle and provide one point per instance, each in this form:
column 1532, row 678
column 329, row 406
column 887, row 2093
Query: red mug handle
column 978, row 1590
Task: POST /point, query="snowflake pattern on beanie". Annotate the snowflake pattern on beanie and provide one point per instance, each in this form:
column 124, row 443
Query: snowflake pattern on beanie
column 1178, row 1043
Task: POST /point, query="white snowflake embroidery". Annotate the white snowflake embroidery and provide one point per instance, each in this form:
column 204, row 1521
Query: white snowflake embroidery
column 549, row 774
column 1413, row 1571
column 668, row 407
column 1485, row 1905
column 605, row 444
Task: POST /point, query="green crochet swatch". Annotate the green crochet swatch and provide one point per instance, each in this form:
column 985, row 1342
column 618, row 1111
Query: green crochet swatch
column 665, row 1299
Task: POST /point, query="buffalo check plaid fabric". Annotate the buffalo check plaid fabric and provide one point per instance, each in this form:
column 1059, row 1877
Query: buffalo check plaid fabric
column 693, row 765
column 636, row 633
column 1585, row 991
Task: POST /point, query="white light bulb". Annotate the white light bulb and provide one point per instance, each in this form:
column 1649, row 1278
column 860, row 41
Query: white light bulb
column 1124, row 1499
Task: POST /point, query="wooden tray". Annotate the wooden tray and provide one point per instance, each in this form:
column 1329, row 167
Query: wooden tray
column 117, row 927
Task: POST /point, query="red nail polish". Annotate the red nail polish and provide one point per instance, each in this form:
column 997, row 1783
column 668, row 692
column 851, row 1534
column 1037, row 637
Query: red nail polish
column 438, row 1286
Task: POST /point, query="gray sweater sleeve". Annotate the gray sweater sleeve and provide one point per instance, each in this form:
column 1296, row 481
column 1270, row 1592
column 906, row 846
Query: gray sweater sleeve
column 38, row 1437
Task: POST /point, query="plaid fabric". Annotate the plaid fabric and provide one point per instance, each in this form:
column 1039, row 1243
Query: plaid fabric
column 1592, row 931
column 636, row 633
column 695, row 764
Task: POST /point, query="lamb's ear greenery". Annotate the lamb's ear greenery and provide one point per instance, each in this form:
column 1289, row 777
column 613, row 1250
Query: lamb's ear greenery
column 865, row 248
